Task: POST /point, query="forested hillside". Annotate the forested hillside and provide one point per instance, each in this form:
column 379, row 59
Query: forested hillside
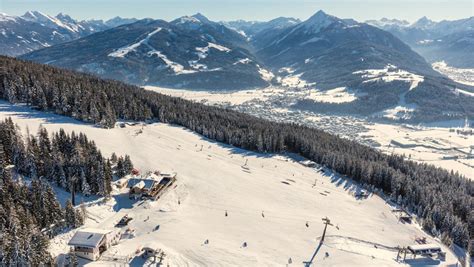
column 28, row 207
column 442, row 200
column 70, row 161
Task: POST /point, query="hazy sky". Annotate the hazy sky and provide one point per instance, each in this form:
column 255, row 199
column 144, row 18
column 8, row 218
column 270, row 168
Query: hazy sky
column 246, row 9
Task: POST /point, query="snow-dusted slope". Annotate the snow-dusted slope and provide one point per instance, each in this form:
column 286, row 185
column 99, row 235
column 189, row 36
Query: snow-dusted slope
column 35, row 30
column 391, row 73
column 190, row 52
column 446, row 40
column 123, row 51
column 326, row 50
column 464, row 76
column 268, row 202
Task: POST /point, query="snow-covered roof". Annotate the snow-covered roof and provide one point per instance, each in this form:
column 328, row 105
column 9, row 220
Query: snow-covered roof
column 88, row 237
column 142, row 183
column 425, row 247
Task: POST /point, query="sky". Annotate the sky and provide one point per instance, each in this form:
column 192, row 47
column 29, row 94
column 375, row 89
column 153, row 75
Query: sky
column 217, row 10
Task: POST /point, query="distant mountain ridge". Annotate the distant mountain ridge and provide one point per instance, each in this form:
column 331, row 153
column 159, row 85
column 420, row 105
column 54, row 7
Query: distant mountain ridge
column 324, row 52
column 189, row 52
column 35, row 30
column 327, row 50
column 449, row 41
column 251, row 28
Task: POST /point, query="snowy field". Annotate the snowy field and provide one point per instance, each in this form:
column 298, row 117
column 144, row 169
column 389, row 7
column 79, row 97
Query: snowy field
column 336, row 95
column 218, row 98
column 432, row 145
column 464, row 76
column 269, row 201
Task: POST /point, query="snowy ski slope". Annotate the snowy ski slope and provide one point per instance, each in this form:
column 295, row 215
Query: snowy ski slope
column 268, row 202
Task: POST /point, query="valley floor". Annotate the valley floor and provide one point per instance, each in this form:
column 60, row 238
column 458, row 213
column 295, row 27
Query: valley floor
column 268, row 201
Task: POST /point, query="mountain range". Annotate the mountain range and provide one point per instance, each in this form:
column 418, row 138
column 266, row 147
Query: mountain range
column 194, row 52
column 35, row 30
column 251, row 28
column 323, row 52
column 189, row 52
column 449, row 41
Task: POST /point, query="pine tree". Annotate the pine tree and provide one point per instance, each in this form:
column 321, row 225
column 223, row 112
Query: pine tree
column 79, row 218
column 70, row 214
column 2, row 159
column 127, row 165
column 86, row 190
column 44, row 157
column 113, row 158
column 120, row 168
column 52, row 206
column 108, row 178
column 62, row 179
column 31, row 156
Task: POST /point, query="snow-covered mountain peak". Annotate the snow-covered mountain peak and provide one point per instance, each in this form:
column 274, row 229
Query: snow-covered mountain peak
column 201, row 18
column 65, row 18
column 54, row 22
column 386, row 22
column 319, row 21
column 189, row 21
column 36, row 16
column 194, row 21
column 319, row 17
column 283, row 22
column 423, row 23
column 6, row 17
column 117, row 21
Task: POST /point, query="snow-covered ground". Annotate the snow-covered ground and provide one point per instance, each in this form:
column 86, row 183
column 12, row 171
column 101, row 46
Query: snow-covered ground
column 232, row 98
column 391, row 73
column 203, row 52
column 336, row 95
column 268, row 201
column 294, row 81
column 432, row 145
column 464, row 76
column 259, row 102
column 122, row 52
column 402, row 110
column 265, row 74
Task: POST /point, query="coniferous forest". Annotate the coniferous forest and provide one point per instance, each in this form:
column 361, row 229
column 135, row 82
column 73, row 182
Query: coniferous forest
column 29, row 210
column 442, row 200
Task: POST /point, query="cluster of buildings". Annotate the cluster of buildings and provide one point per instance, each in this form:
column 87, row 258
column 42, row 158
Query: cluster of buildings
column 149, row 186
column 90, row 243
